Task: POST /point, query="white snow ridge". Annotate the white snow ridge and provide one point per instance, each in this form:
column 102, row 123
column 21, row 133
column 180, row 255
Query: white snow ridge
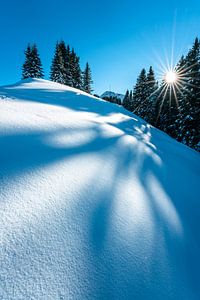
column 94, row 202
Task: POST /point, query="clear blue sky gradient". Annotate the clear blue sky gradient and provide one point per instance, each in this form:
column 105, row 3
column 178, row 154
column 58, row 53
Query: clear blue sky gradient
column 117, row 38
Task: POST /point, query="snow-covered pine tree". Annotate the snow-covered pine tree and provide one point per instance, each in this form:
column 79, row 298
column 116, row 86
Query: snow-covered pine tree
column 55, row 71
column 60, row 64
column 191, row 109
column 75, row 70
column 151, row 96
column 27, row 64
column 72, row 66
column 169, row 112
column 77, row 74
column 65, row 63
column 37, row 65
column 32, row 67
column 68, row 75
column 131, row 96
column 139, row 94
column 181, row 99
column 160, row 105
column 167, row 109
column 113, row 99
column 87, row 79
column 126, row 100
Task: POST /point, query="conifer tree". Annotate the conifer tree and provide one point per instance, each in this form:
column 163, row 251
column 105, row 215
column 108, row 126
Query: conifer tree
column 151, row 96
column 139, row 94
column 181, row 99
column 77, row 74
column 75, row 70
column 126, row 101
column 59, row 70
column 168, row 111
column 32, row 67
column 68, row 75
column 72, row 66
column 27, row 64
column 151, row 84
column 172, row 107
column 87, row 80
column 191, row 108
column 131, row 96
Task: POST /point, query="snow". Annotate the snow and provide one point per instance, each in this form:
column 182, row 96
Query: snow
column 95, row 203
column 113, row 94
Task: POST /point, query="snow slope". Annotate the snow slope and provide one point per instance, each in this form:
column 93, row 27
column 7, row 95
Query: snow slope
column 94, row 203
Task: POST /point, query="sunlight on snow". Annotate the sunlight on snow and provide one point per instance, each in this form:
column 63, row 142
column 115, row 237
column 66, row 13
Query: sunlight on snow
column 56, row 191
column 115, row 118
column 164, row 205
column 70, row 140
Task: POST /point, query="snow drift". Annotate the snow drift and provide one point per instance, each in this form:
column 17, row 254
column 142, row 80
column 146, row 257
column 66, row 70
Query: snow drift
column 94, row 202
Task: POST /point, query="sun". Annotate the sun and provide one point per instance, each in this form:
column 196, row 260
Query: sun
column 171, row 77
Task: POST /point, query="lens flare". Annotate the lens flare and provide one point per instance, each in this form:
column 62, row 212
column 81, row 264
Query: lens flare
column 172, row 80
column 171, row 77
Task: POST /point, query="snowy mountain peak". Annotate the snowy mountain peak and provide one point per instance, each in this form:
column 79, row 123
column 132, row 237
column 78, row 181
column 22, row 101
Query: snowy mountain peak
column 112, row 94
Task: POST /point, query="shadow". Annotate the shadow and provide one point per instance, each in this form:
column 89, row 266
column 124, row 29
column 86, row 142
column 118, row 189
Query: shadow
column 127, row 243
column 159, row 262
column 24, row 151
column 100, row 221
column 176, row 217
column 68, row 99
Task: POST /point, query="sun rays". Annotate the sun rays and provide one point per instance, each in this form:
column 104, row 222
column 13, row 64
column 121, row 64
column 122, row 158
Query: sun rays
column 172, row 79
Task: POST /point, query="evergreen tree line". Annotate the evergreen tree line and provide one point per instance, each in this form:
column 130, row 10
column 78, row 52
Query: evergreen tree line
column 173, row 108
column 65, row 67
column 113, row 99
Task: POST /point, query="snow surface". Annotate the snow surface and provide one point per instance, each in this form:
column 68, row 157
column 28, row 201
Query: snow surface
column 95, row 203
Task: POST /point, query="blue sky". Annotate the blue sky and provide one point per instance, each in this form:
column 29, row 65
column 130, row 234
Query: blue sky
column 117, row 38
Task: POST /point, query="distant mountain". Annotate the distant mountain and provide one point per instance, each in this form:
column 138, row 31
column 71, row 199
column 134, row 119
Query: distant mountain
column 112, row 94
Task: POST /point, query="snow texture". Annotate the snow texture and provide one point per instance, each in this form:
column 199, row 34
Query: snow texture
column 94, row 202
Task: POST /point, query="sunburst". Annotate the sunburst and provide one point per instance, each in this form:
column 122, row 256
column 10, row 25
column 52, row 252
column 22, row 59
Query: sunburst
column 171, row 77
column 172, row 80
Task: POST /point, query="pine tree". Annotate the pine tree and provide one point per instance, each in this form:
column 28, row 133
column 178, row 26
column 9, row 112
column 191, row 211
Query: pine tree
column 37, row 65
column 126, row 101
column 172, row 107
column 151, row 96
column 139, row 94
column 166, row 109
column 151, row 83
column 72, row 66
column 65, row 62
column 180, row 98
column 169, row 112
column 75, row 70
column 60, row 66
column 77, row 74
column 191, row 109
column 68, row 75
column 131, row 96
column 87, row 80
column 27, row 64
column 55, row 72
column 32, row 67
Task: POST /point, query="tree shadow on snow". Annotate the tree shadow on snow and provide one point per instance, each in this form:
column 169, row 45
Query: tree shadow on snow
column 119, row 272
column 68, row 99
